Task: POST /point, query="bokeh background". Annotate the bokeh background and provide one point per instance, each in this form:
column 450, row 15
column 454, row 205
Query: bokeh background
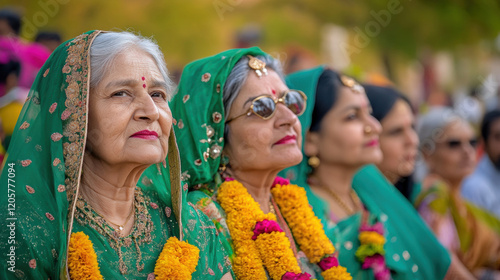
column 434, row 51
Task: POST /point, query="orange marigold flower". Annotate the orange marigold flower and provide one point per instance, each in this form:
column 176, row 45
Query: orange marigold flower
column 336, row 273
column 177, row 260
column 306, row 227
column 276, row 246
column 82, row 259
column 371, row 237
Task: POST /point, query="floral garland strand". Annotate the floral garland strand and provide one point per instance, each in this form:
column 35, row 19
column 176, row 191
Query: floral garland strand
column 273, row 244
column 371, row 252
column 246, row 223
column 82, row 259
column 307, row 229
column 177, row 260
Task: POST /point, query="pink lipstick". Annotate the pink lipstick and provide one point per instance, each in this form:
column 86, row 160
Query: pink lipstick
column 372, row 143
column 146, row 134
column 287, row 140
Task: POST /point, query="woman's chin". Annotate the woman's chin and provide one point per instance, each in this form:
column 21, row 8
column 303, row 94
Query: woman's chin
column 288, row 161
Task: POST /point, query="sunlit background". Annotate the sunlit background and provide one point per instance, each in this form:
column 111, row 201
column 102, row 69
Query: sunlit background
column 432, row 50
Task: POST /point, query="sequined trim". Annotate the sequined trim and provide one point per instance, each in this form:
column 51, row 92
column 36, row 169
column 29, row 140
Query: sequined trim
column 141, row 232
column 76, row 68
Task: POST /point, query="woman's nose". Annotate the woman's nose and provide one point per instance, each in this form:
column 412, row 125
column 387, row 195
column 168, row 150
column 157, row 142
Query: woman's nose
column 146, row 108
column 284, row 116
column 375, row 124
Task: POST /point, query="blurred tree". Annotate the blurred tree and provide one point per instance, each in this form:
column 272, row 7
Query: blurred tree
column 187, row 30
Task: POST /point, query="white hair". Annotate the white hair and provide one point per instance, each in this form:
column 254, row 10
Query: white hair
column 431, row 125
column 238, row 76
column 108, row 45
column 430, row 129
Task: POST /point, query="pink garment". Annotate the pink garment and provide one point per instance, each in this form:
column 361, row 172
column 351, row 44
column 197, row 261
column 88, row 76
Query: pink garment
column 443, row 225
column 31, row 56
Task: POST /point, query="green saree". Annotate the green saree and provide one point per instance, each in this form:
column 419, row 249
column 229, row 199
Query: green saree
column 411, row 250
column 40, row 183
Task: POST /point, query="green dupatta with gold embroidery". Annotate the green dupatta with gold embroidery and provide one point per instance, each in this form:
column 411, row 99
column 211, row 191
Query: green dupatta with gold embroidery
column 42, row 178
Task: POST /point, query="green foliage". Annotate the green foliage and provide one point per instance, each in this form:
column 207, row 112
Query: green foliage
column 187, row 30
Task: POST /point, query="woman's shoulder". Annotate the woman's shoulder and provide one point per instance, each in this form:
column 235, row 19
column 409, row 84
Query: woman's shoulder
column 434, row 193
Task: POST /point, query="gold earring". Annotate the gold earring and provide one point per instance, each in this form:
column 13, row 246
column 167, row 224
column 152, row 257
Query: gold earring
column 368, row 129
column 313, row 161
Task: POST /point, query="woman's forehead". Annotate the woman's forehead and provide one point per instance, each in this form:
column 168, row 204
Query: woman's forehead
column 255, row 86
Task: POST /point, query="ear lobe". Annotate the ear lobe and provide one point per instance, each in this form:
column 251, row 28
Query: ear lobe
column 311, row 144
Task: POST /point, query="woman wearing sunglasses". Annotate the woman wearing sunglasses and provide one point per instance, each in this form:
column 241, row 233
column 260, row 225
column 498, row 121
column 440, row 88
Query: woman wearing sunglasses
column 448, row 145
column 377, row 232
column 237, row 127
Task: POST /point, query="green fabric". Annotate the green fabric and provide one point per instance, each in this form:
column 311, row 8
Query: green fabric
column 44, row 163
column 199, row 113
column 442, row 203
column 417, row 189
column 412, row 251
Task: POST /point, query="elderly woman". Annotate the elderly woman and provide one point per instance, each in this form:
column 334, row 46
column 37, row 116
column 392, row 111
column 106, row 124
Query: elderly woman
column 237, row 127
column 448, row 146
column 398, row 139
column 376, row 231
column 96, row 119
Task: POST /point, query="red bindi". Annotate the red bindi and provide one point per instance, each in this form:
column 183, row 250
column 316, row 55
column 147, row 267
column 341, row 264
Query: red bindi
column 144, row 85
column 273, row 91
column 143, row 78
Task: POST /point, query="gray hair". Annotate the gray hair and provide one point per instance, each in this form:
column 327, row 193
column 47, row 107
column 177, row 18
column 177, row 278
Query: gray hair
column 108, row 45
column 238, row 76
column 430, row 126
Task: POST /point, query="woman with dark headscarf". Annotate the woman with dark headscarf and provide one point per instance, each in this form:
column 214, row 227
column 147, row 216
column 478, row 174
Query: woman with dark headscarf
column 398, row 140
column 377, row 232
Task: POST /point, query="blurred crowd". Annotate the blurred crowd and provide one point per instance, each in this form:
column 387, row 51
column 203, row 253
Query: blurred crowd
column 444, row 159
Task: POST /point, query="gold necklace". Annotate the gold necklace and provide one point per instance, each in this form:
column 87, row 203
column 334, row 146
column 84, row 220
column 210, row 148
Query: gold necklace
column 348, row 210
column 119, row 227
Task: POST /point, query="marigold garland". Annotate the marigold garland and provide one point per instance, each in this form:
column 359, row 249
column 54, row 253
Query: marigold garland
column 371, row 237
column 371, row 252
column 276, row 246
column 82, row 259
column 336, row 272
column 177, row 260
column 307, row 229
column 271, row 248
column 243, row 214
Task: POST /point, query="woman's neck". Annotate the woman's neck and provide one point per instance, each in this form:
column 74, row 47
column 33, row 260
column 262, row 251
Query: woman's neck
column 453, row 185
column 336, row 178
column 110, row 191
column 258, row 185
column 333, row 183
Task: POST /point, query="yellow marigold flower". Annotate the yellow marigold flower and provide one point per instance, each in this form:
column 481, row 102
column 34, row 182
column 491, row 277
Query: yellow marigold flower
column 82, row 259
column 371, row 237
column 235, row 200
column 336, row 273
column 276, row 246
column 306, row 227
column 177, row 260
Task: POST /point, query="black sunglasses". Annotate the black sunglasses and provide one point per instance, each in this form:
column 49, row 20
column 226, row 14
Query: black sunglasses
column 264, row 106
column 455, row 144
